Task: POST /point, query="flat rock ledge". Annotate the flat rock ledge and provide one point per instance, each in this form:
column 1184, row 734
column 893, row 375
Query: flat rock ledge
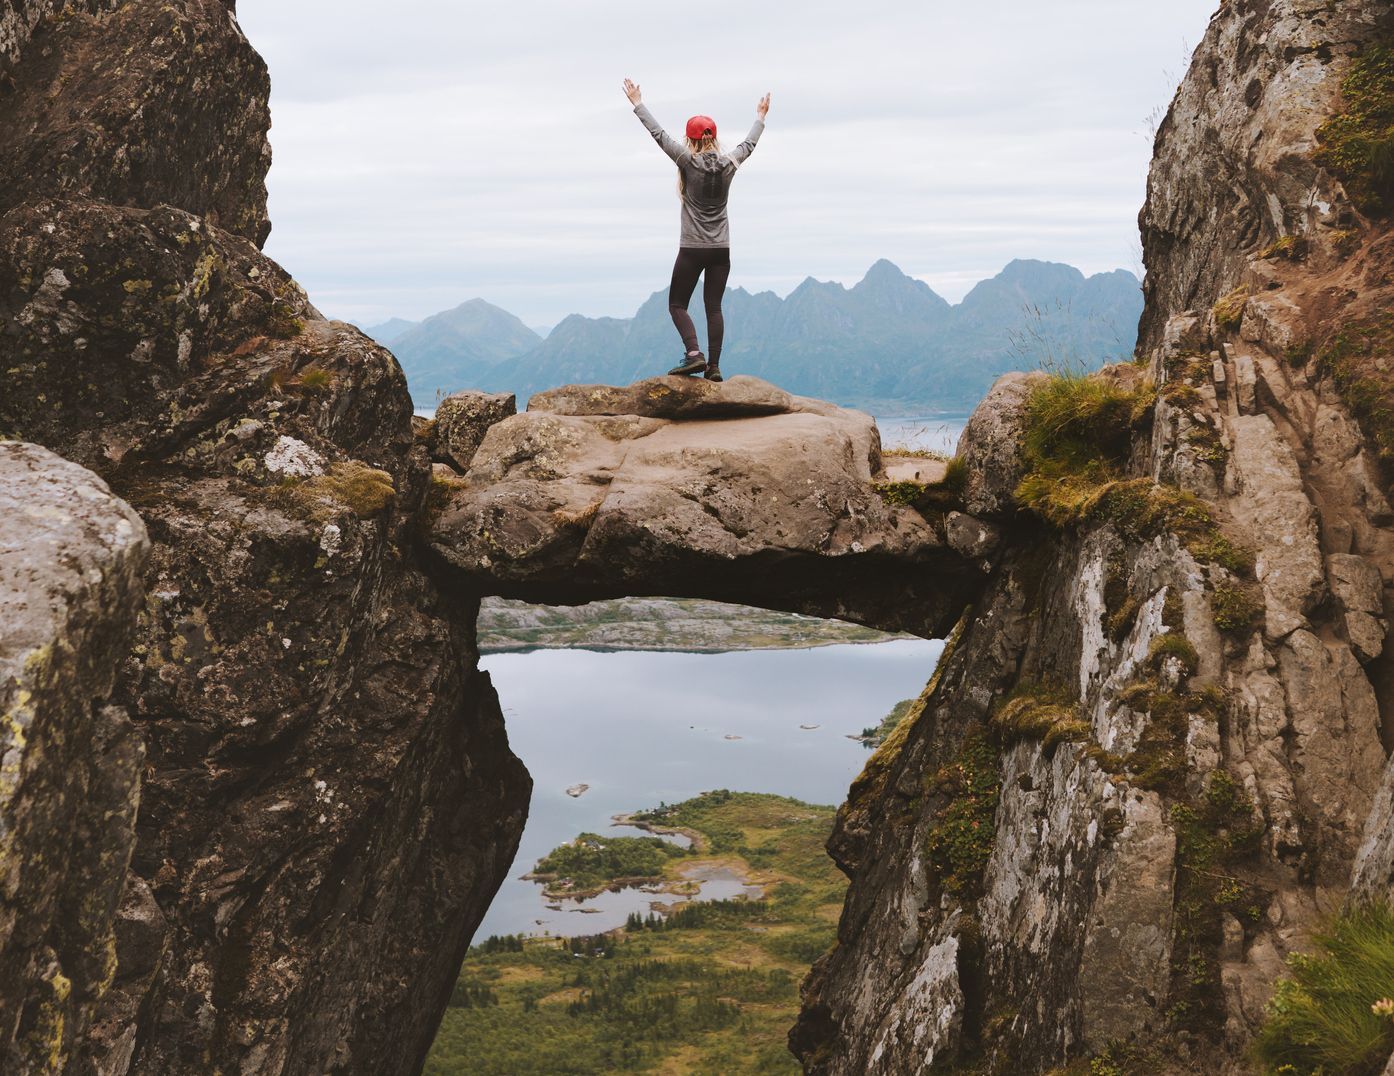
column 678, row 487
column 670, row 398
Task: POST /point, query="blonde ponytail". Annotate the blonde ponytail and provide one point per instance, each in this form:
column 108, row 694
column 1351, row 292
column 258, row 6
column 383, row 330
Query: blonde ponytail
column 705, row 144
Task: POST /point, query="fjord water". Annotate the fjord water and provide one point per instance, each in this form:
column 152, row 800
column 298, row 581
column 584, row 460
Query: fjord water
column 645, row 728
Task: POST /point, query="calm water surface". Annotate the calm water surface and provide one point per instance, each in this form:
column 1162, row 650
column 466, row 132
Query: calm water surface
column 647, row 728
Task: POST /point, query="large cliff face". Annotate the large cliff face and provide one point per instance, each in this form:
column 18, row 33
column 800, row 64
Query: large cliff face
column 329, row 802
column 1152, row 759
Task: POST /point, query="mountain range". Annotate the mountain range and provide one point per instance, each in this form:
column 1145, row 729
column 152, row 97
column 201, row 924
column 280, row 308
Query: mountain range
column 888, row 343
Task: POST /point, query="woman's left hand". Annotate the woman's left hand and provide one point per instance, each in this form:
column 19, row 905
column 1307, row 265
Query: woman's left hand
column 631, row 90
column 761, row 110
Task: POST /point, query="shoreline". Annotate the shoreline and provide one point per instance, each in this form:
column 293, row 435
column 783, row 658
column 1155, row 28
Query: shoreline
column 600, row 648
column 699, row 840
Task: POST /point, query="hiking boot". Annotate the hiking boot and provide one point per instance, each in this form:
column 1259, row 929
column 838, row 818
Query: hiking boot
column 692, row 364
column 713, row 372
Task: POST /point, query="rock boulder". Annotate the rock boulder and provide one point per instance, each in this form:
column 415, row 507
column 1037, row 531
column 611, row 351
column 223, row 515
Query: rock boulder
column 780, row 510
column 71, row 562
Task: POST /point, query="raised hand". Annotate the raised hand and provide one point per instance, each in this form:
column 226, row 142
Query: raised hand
column 761, row 110
column 631, row 90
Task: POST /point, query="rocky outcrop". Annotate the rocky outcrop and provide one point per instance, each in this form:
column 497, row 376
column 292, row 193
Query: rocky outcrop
column 135, row 104
column 1153, row 759
column 679, row 487
column 329, row 802
column 461, row 421
column 1233, row 166
column 71, row 560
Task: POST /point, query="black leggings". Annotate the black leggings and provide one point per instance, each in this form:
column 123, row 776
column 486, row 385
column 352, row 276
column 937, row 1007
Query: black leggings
column 691, row 263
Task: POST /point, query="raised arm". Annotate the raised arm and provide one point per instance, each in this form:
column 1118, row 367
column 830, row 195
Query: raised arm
column 665, row 142
column 746, row 148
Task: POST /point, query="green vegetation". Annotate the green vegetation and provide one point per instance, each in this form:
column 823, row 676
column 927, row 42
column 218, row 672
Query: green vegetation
column 1229, row 311
column 1077, row 437
column 365, row 491
column 1236, row 609
column 930, row 497
column 314, row 379
column 964, row 830
column 1208, row 447
column 1335, row 1014
column 1357, row 146
column 591, row 862
column 955, row 478
column 1355, row 359
column 1289, row 248
column 1158, row 762
column 713, row 988
column 899, row 494
column 1344, row 241
column 1173, row 645
column 1213, row 835
column 1044, row 712
column 876, row 736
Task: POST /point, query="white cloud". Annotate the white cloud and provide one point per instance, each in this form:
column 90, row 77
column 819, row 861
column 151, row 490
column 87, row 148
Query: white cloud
column 432, row 152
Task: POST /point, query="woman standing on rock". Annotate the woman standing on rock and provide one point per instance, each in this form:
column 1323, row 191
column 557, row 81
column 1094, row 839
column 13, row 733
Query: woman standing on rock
column 704, row 181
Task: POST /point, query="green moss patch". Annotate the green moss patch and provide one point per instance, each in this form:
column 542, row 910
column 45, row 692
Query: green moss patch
column 1236, row 609
column 964, row 828
column 899, row 494
column 1357, row 146
column 1173, row 645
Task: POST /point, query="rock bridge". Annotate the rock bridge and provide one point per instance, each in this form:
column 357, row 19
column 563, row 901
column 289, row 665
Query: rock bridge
column 737, row 492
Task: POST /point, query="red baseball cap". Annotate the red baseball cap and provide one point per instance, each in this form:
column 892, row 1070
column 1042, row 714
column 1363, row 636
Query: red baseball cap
column 697, row 126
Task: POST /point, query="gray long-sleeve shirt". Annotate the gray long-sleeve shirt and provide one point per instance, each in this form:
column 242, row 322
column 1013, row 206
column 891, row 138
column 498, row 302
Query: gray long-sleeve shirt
column 706, row 182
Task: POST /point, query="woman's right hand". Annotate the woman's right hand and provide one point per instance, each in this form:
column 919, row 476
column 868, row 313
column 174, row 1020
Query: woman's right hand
column 631, row 90
column 761, row 110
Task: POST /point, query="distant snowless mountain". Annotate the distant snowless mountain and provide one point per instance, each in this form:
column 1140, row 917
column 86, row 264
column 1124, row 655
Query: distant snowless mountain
column 887, row 344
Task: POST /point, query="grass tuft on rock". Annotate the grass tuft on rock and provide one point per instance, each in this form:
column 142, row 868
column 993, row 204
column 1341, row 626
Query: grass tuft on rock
column 365, row 491
column 1076, row 438
column 1357, row 145
column 1323, row 1018
column 1229, row 311
column 1044, row 712
column 1289, row 248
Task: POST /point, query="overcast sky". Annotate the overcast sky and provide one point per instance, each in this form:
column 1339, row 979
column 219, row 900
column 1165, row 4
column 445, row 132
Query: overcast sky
column 428, row 151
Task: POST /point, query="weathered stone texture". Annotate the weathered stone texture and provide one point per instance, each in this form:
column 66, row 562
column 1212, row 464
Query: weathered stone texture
column 1232, row 169
column 779, row 510
column 154, row 102
column 329, row 800
column 462, row 419
column 71, row 561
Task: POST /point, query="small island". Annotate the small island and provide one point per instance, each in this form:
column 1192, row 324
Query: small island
column 876, row 736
